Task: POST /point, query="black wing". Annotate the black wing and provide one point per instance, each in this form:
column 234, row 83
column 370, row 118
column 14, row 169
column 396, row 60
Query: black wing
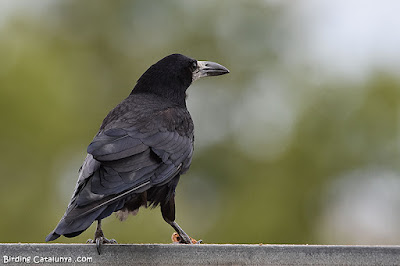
column 124, row 161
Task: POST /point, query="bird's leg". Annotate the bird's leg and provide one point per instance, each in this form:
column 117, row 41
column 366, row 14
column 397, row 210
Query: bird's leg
column 183, row 237
column 168, row 213
column 99, row 238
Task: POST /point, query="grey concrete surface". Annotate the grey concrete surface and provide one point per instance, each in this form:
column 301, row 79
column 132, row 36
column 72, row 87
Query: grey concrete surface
column 203, row 254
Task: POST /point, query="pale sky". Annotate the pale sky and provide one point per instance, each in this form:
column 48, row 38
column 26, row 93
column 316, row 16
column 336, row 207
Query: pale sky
column 346, row 38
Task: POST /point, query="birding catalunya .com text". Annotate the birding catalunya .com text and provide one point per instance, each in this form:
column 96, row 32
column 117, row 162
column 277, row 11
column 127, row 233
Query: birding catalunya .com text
column 44, row 259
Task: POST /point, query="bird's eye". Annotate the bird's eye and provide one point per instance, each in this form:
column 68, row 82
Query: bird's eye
column 193, row 66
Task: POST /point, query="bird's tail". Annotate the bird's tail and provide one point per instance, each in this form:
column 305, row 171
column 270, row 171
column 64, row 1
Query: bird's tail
column 76, row 220
column 73, row 227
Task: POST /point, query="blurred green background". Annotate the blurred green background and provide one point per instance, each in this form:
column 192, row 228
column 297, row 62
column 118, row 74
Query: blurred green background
column 298, row 144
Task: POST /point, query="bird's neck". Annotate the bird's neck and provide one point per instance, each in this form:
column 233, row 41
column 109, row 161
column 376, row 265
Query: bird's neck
column 176, row 95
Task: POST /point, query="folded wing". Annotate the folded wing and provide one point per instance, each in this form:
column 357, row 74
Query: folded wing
column 122, row 162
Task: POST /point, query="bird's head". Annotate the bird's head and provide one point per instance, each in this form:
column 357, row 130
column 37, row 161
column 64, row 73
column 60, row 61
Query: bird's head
column 171, row 76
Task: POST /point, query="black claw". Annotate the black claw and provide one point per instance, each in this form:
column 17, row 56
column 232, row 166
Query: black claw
column 98, row 245
column 185, row 239
column 99, row 241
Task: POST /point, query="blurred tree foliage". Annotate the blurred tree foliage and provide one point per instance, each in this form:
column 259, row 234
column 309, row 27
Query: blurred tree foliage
column 61, row 72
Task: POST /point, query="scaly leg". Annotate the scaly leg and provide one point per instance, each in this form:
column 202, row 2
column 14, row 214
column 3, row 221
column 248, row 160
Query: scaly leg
column 99, row 238
column 168, row 213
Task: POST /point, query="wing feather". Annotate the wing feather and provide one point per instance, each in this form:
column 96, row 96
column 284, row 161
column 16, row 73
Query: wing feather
column 124, row 160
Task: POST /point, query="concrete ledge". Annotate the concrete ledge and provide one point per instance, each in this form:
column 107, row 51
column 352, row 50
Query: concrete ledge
column 175, row 254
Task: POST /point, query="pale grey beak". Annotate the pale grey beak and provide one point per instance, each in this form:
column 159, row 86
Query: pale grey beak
column 207, row 68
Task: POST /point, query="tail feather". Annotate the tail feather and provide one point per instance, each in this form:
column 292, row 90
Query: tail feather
column 73, row 225
column 71, row 228
column 52, row 236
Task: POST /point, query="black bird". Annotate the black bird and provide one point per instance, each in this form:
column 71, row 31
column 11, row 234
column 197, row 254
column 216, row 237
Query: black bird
column 143, row 146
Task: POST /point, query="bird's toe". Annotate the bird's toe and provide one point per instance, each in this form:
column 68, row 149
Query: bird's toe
column 109, row 241
column 98, row 244
column 184, row 239
column 100, row 241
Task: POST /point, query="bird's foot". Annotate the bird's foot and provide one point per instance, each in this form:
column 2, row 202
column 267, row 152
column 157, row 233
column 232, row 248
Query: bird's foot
column 184, row 239
column 99, row 241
